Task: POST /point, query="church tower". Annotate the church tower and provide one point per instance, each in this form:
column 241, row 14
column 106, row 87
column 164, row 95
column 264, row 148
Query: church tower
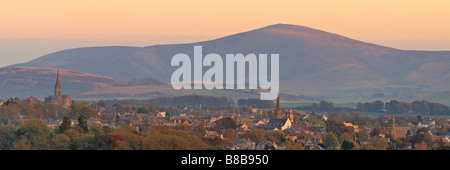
column 393, row 133
column 58, row 91
column 278, row 110
column 291, row 115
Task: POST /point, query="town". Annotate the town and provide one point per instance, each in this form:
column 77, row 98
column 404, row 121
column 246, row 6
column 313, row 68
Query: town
column 59, row 123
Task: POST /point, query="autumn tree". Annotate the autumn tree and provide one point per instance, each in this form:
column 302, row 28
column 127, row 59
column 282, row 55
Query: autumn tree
column 225, row 123
column 347, row 145
column 22, row 144
column 82, row 122
column 65, row 125
column 36, row 132
column 376, row 144
column 201, row 129
column 330, row 141
column 10, row 112
column 7, row 137
column 76, row 110
column 60, row 142
column 421, row 146
column 291, row 145
column 256, row 135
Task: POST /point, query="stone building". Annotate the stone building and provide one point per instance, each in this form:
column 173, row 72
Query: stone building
column 58, row 98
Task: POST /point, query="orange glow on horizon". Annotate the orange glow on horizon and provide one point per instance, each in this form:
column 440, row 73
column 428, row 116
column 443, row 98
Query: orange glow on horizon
column 384, row 22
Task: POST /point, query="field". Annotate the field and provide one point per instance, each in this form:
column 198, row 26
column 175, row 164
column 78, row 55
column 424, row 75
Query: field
column 292, row 104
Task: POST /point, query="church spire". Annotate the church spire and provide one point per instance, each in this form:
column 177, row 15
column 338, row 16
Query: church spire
column 58, row 85
column 278, row 110
column 393, row 133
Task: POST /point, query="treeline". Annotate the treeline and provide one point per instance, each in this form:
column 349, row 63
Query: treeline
column 193, row 100
column 36, row 135
column 324, row 106
column 13, row 111
column 256, row 103
column 398, row 107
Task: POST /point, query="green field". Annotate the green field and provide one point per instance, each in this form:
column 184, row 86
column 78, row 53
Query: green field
column 294, row 104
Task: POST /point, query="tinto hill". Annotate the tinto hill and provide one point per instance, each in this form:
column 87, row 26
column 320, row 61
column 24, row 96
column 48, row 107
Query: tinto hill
column 309, row 58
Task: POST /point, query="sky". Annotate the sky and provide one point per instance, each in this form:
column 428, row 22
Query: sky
column 32, row 28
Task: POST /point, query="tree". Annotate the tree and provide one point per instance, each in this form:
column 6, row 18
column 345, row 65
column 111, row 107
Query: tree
column 290, row 145
column 65, row 125
column 7, row 137
column 255, row 135
column 201, row 129
column 101, row 103
column 360, row 107
column 347, row 145
column 229, row 134
column 377, row 144
column 60, row 142
column 22, row 144
column 378, row 106
column 375, row 132
column 421, row 146
column 10, row 112
column 408, row 134
column 82, row 122
column 326, row 106
column 117, row 120
column 76, row 110
column 226, row 123
column 331, row 141
column 36, row 131
column 345, row 137
column 336, row 127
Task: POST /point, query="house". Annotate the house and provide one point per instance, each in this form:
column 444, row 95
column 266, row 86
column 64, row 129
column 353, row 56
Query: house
column 266, row 145
column 213, row 134
column 308, row 144
column 278, row 124
column 243, row 127
column 363, row 141
column 243, row 144
column 161, row 114
column 31, row 101
column 425, row 124
column 354, row 127
column 52, row 124
column 317, row 147
column 182, row 121
column 254, row 110
column 312, row 144
column 402, row 131
column 259, row 122
column 214, row 119
column 292, row 138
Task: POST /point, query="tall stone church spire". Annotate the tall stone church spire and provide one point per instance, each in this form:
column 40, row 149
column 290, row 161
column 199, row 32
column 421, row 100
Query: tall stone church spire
column 58, row 98
column 393, row 133
column 58, row 91
column 278, row 110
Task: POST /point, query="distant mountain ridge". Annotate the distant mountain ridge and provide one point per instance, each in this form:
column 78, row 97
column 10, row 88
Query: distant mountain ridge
column 309, row 59
column 39, row 82
column 23, row 82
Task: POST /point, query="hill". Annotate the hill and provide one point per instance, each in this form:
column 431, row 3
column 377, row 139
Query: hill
column 39, row 82
column 23, row 82
column 310, row 60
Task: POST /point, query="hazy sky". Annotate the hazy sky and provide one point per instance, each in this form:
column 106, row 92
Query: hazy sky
column 32, row 28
